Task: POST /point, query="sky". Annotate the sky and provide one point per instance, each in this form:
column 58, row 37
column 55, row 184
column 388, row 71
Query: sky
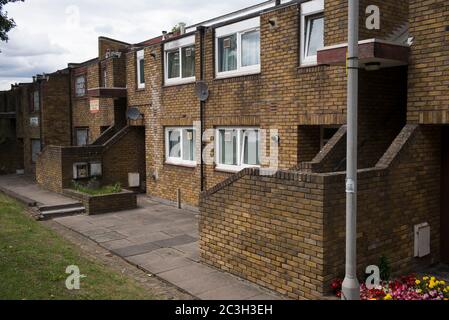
column 52, row 33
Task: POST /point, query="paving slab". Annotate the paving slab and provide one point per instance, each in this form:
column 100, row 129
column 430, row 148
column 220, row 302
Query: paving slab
column 26, row 187
column 163, row 241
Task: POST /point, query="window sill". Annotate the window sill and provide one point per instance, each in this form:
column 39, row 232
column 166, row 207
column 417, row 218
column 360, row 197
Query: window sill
column 168, row 84
column 236, row 75
column 229, row 169
column 180, row 164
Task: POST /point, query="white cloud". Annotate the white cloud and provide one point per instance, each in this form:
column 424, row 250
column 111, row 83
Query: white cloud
column 51, row 33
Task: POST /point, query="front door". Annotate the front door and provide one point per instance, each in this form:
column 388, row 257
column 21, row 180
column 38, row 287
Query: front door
column 445, row 197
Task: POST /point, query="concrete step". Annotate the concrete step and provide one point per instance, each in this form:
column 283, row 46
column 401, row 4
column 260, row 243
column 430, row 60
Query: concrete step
column 50, row 212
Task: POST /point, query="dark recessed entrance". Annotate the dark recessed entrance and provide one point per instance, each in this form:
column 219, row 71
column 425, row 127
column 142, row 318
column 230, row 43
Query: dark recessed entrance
column 445, row 197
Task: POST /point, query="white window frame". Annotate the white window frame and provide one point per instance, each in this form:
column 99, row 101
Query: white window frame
column 240, row 166
column 308, row 9
column 179, row 161
column 140, row 55
column 76, row 85
column 238, row 29
column 173, row 46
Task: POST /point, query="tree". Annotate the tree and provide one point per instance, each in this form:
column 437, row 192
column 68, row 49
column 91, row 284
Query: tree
column 6, row 24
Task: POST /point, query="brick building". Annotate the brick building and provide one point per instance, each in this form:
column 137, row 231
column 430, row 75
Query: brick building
column 273, row 79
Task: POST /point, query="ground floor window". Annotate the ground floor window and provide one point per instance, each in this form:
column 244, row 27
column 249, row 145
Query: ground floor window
column 237, row 148
column 35, row 149
column 180, row 146
column 82, row 137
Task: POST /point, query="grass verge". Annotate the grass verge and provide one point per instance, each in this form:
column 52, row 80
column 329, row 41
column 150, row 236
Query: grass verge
column 33, row 261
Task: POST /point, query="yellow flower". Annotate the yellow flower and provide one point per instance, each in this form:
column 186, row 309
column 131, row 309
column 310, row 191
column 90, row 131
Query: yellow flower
column 425, row 278
column 433, row 279
column 418, row 282
column 388, row 297
column 443, row 283
column 419, row 291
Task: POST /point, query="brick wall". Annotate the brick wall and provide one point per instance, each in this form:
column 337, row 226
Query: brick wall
column 287, row 232
column 429, row 63
column 283, row 96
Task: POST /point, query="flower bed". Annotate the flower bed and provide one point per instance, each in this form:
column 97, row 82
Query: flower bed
column 406, row 288
column 99, row 204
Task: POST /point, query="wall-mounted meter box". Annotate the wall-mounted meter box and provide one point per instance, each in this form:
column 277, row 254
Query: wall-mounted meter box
column 422, row 240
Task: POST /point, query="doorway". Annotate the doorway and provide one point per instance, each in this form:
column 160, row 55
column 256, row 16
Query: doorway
column 445, row 196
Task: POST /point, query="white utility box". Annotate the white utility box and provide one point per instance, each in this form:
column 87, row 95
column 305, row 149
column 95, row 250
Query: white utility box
column 422, row 240
column 134, row 180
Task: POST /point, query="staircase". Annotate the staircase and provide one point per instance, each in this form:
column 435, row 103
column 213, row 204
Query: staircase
column 57, row 211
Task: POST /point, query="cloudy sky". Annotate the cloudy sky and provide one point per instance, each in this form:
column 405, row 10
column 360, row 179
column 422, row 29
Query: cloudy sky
column 51, row 33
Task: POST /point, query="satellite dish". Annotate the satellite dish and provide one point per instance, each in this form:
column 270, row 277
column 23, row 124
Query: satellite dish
column 202, row 90
column 133, row 113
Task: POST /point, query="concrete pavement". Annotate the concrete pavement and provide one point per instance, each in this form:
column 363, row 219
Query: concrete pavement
column 163, row 241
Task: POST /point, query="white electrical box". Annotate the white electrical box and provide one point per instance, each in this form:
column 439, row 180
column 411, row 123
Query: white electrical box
column 422, row 240
column 134, row 180
column 96, row 169
column 80, row 171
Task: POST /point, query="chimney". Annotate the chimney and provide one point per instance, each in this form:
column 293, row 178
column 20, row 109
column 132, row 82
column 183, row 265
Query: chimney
column 182, row 28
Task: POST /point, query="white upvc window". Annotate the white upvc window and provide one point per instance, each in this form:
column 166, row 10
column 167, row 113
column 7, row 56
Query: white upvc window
column 180, row 146
column 80, row 86
column 237, row 49
column 312, row 30
column 179, row 61
column 237, row 148
column 140, row 67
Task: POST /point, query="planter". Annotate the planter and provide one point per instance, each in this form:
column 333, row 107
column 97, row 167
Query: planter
column 125, row 200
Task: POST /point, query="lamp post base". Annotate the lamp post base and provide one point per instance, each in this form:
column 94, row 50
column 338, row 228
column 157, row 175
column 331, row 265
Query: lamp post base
column 350, row 289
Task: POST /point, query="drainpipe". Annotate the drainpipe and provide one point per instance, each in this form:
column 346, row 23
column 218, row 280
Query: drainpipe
column 202, row 31
column 70, row 106
column 351, row 286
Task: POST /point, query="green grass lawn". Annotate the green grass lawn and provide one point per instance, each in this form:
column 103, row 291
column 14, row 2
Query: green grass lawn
column 33, row 260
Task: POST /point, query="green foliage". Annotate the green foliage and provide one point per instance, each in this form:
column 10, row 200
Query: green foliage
column 93, row 190
column 33, row 261
column 177, row 27
column 384, row 267
column 6, row 23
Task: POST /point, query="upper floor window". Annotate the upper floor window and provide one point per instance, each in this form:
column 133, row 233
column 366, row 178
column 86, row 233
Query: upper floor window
column 180, row 146
column 36, row 101
column 312, row 26
column 238, row 48
column 140, row 59
column 238, row 148
column 80, row 86
column 180, row 61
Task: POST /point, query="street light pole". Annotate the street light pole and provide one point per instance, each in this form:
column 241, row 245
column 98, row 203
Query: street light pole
column 351, row 286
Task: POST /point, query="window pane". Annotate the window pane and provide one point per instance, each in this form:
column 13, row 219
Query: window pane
column 80, row 86
column 173, row 64
column 174, row 140
column 188, row 62
column 142, row 71
column 251, row 48
column 227, row 53
column 188, row 147
column 228, row 147
column 250, row 147
column 315, row 34
column 82, row 137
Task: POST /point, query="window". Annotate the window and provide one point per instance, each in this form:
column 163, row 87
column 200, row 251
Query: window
column 312, row 34
column 238, row 48
column 82, row 137
column 327, row 133
column 237, row 148
column 36, row 101
column 180, row 146
column 80, row 86
column 140, row 69
column 105, row 77
column 35, row 149
column 180, row 61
